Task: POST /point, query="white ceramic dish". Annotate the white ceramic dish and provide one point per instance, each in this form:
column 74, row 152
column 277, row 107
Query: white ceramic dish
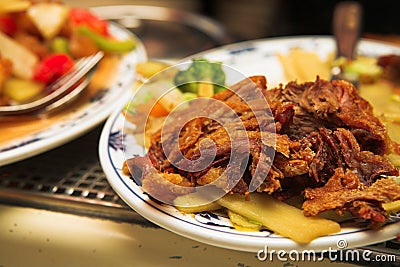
column 251, row 58
column 87, row 115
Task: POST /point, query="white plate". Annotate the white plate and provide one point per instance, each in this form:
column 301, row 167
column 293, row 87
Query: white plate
column 83, row 118
column 251, row 58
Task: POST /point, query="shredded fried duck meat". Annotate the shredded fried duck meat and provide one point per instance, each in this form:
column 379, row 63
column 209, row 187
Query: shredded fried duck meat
column 317, row 138
column 344, row 191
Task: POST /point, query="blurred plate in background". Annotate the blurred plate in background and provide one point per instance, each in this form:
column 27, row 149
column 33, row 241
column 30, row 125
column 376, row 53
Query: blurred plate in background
column 111, row 85
column 167, row 33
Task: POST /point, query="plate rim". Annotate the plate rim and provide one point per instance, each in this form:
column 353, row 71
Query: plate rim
column 226, row 239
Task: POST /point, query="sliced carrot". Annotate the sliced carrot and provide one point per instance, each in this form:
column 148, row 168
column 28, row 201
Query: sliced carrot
column 158, row 110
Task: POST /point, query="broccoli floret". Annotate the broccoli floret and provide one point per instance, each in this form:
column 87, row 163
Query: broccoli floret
column 201, row 70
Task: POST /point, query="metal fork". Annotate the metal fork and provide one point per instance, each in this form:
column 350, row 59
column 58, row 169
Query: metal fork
column 395, row 217
column 59, row 92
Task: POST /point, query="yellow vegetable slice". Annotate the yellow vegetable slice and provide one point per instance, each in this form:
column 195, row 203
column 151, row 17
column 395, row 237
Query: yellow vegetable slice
column 303, row 66
column 309, row 65
column 288, row 67
column 193, row 203
column 392, row 206
column 206, row 90
column 394, row 158
column 22, row 91
column 280, row 217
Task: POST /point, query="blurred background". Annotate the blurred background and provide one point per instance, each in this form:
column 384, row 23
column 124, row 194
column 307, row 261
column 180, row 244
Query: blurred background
column 252, row 19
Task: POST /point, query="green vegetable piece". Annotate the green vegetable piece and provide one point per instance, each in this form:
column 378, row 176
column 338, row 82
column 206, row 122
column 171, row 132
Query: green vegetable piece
column 189, row 96
column 364, row 67
column 242, row 223
column 201, row 70
column 218, row 88
column 107, row 44
column 59, row 45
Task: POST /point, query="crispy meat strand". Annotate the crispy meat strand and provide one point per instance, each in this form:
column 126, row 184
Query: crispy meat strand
column 322, row 104
column 344, row 191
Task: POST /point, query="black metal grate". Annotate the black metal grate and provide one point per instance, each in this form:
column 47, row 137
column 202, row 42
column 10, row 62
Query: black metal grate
column 68, row 178
column 86, row 184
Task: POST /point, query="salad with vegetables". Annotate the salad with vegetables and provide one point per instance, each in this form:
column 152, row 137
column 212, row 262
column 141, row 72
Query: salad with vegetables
column 210, row 74
column 40, row 41
column 165, row 87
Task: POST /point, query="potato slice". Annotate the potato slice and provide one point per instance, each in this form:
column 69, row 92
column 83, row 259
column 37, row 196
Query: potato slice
column 280, row 217
column 48, row 17
column 150, row 68
column 22, row 59
column 8, row 6
column 172, row 99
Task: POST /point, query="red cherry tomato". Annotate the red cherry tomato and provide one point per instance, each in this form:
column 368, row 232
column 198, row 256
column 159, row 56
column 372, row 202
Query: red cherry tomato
column 8, row 25
column 80, row 16
column 53, row 67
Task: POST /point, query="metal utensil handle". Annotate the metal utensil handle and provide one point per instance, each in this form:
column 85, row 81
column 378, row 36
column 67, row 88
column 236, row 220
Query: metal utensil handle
column 347, row 18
